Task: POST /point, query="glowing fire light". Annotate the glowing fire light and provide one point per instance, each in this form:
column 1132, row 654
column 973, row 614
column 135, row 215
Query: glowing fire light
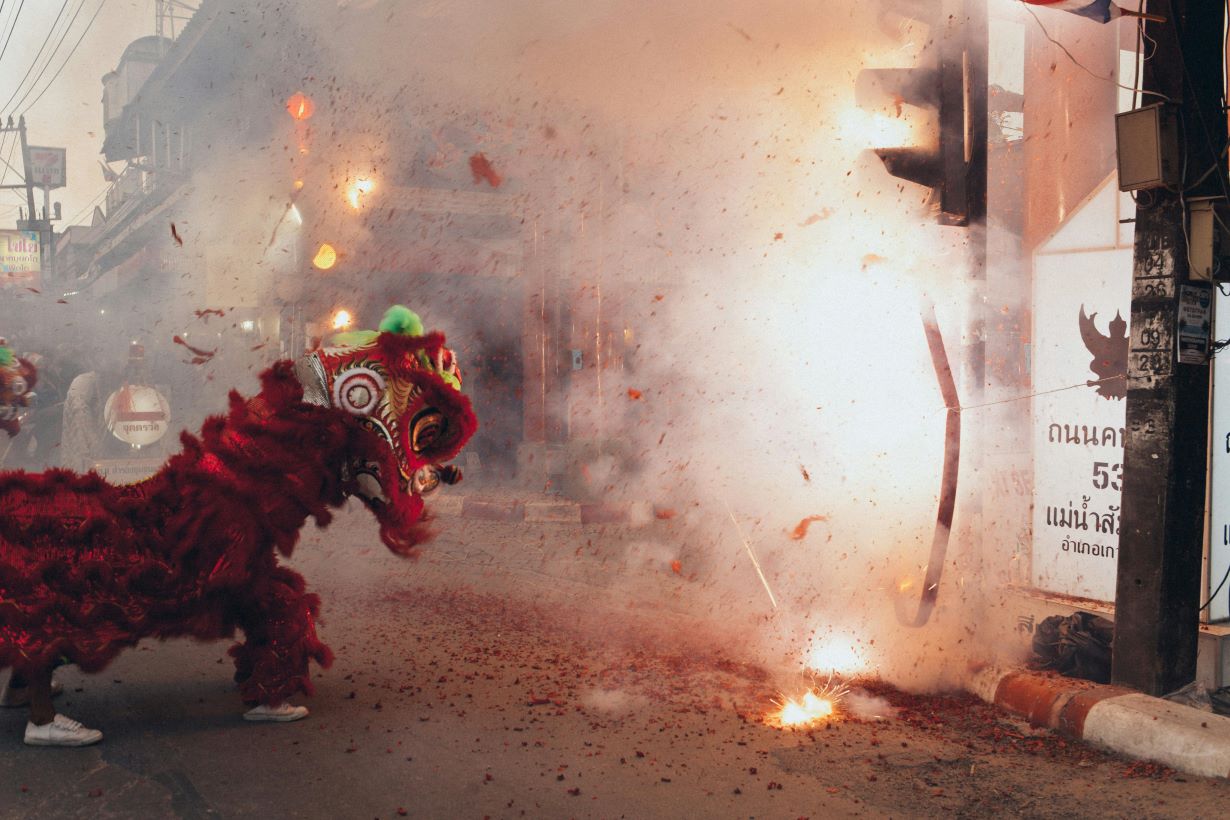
column 809, row 709
column 874, row 129
column 835, row 656
column 341, row 319
column 326, row 257
column 300, row 106
column 818, row 703
column 358, row 189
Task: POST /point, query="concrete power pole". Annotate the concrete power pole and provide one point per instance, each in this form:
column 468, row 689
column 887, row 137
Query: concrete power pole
column 1162, row 533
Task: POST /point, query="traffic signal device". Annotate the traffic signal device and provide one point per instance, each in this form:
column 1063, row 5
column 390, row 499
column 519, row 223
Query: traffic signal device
column 949, row 80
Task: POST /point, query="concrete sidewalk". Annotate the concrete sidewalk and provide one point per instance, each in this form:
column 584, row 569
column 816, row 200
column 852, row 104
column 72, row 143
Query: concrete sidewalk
column 504, row 505
column 1122, row 720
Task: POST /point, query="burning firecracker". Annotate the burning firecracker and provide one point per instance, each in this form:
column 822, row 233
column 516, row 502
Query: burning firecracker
column 817, row 705
column 809, row 709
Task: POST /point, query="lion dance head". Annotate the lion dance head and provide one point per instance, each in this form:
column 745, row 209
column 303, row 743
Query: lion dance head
column 17, row 379
column 403, row 386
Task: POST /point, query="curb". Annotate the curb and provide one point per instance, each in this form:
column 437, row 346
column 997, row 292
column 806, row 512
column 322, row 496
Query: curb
column 551, row 511
column 1130, row 723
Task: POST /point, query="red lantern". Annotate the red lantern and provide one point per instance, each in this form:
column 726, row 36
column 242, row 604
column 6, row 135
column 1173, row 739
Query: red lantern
column 300, row 106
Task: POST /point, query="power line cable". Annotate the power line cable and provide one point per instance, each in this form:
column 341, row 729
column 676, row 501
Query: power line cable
column 12, row 28
column 93, row 204
column 73, row 51
column 42, row 70
column 37, row 56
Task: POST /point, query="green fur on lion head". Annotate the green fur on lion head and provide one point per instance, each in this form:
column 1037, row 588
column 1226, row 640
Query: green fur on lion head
column 401, row 319
column 6, row 357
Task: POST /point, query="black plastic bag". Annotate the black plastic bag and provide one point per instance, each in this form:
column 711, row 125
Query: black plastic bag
column 1077, row 646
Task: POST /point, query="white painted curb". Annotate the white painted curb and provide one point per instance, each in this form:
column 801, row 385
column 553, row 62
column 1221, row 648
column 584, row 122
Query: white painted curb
column 1149, row 728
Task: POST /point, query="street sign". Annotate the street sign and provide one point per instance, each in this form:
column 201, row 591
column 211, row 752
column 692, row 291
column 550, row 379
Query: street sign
column 47, row 167
column 1082, row 304
column 20, row 259
column 137, row 414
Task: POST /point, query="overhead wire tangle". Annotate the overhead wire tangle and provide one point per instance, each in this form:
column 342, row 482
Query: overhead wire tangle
column 34, row 62
column 71, row 52
column 1085, row 68
column 1204, row 126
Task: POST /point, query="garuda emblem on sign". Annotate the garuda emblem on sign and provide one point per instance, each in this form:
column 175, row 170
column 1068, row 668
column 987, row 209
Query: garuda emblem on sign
column 1110, row 353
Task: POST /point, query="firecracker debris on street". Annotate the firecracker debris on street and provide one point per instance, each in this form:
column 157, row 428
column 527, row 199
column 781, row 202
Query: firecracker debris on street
column 475, row 684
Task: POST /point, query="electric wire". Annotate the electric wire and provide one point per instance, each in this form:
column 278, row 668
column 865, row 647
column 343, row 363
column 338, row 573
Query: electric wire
column 51, row 58
column 1214, row 595
column 42, row 71
column 93, row 203
column 37, row 57
column 1187, row 79
column 12, row 27
column 1084, row 68
column 73, row 51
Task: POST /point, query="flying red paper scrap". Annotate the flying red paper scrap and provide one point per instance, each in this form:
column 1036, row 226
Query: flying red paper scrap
column 800, row 531
column 482, row 170
column 201, row 356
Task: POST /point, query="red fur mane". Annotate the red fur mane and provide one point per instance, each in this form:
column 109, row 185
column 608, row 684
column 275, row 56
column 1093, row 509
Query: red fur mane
column 88, row 568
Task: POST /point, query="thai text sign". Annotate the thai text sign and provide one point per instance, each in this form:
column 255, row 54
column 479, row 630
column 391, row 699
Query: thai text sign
column 1219, row 463
column 47, row 167
column 20, row 258
column 1082, row 303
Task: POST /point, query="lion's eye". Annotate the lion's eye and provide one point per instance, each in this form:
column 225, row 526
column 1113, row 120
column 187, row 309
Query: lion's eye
column 427, row 429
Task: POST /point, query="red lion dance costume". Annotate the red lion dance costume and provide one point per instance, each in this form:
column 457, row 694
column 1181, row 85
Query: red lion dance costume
column 89, row 568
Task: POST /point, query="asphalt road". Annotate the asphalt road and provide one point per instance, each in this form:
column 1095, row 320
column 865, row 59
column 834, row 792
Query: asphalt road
column 534, row 671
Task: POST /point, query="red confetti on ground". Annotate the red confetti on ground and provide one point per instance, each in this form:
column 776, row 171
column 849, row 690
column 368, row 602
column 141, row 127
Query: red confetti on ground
column 482, row 170
column 207, row 312
column 800, row 531
column 677, row 567
column 634, row 394
column 664, row 514
column 175, row 235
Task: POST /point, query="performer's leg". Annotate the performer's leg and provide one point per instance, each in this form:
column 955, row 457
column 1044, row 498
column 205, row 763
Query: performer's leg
column 271, row 664
column 41, row 710
column 16, row 692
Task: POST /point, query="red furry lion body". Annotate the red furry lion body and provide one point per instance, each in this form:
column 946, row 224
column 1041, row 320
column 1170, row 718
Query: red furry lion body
column 89, row 568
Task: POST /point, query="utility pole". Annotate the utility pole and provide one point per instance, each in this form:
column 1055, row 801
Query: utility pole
column 30, row 221
column 1162, row 527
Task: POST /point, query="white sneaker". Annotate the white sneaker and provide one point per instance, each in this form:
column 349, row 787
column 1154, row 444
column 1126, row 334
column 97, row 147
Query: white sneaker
column 282, row 713
column 61, row 731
